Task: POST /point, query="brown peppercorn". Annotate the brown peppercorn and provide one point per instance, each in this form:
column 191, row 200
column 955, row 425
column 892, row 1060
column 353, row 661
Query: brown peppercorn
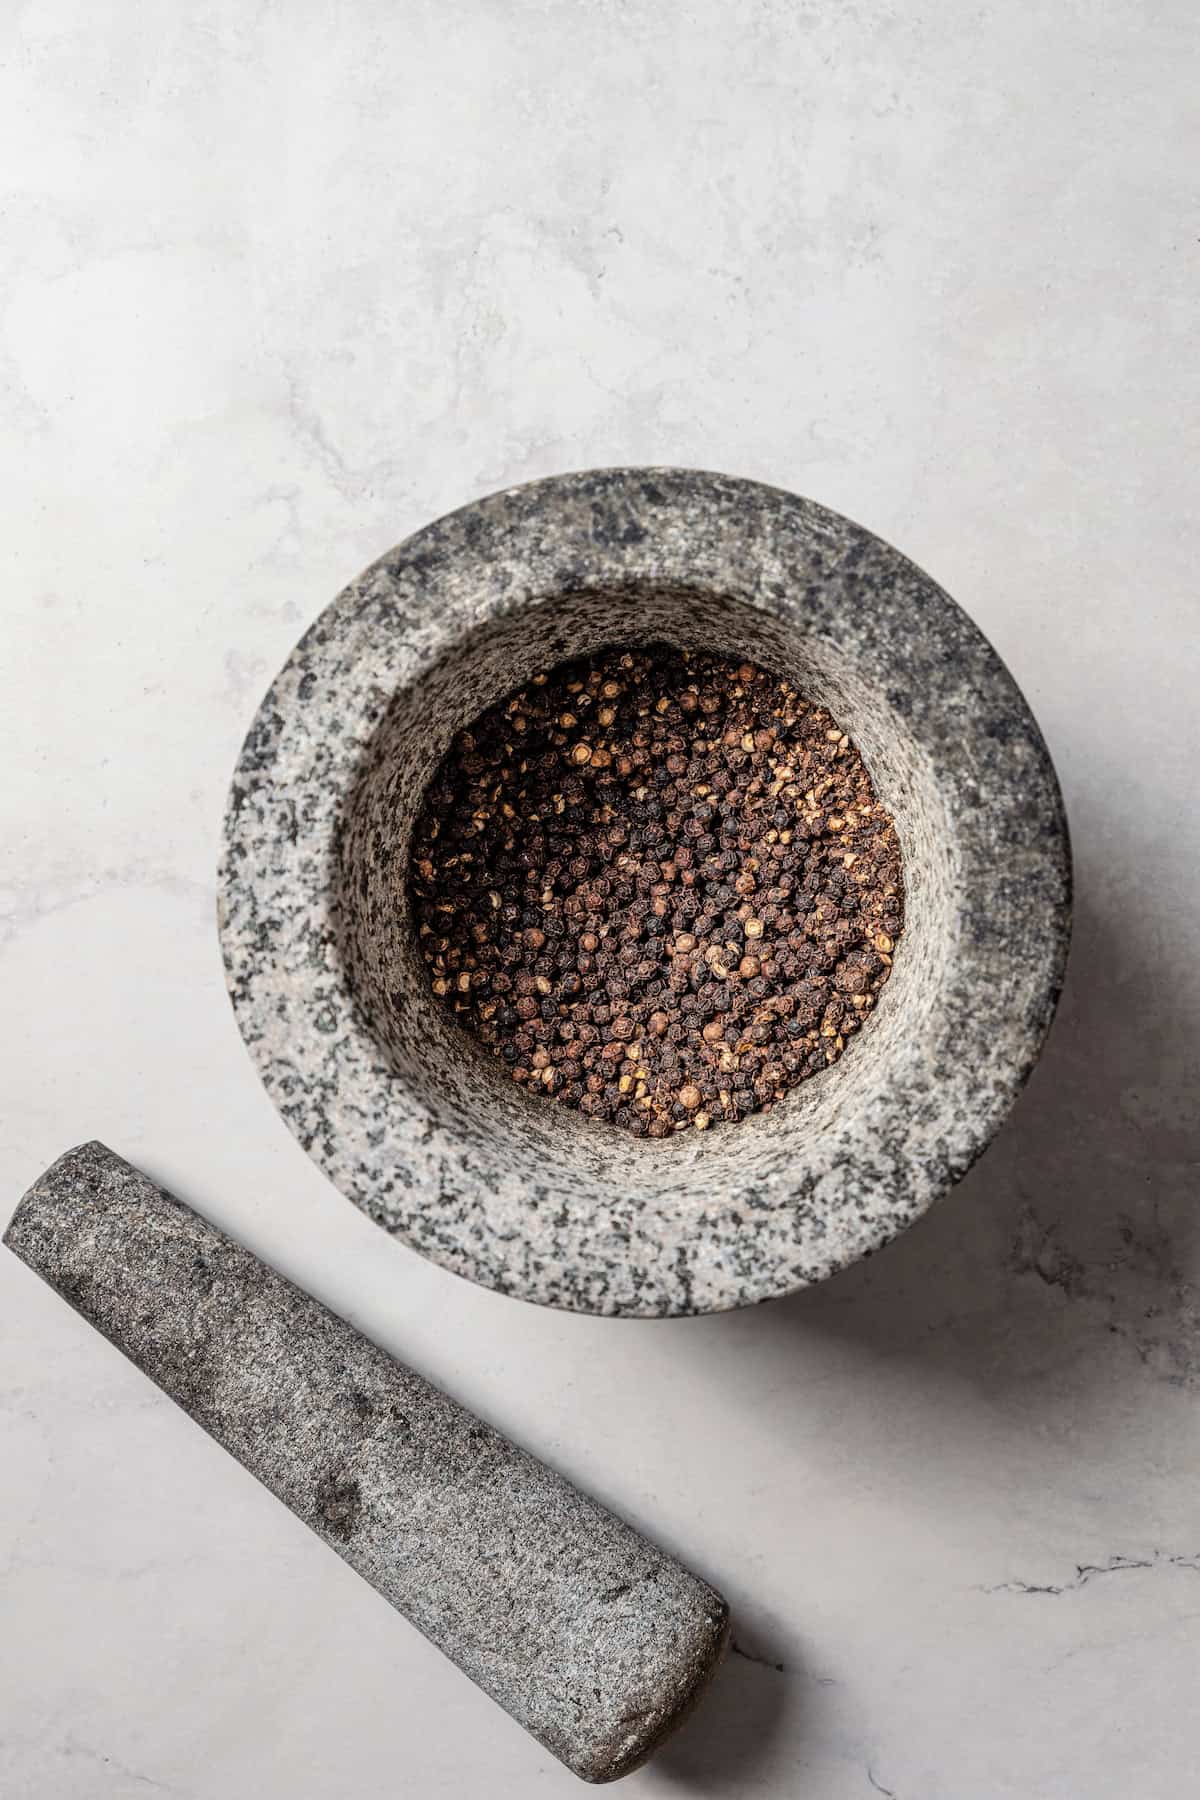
column 612, row 894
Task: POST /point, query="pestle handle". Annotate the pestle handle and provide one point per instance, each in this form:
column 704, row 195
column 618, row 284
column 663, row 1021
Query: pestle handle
column 585, row 1633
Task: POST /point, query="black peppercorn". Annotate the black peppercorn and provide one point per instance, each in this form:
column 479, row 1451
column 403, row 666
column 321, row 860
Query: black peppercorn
column 681, row 882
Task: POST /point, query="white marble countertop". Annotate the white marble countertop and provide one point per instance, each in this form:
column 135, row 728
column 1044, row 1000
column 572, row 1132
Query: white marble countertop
column 285, row 282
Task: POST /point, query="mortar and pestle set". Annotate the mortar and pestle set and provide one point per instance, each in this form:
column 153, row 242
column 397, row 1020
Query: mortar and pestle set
column 589, row 1636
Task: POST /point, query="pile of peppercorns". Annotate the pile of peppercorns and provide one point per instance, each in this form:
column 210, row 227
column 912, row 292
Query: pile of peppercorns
column 658, row 886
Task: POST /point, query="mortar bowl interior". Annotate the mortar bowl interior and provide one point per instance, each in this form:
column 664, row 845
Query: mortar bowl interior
column 428, row 1133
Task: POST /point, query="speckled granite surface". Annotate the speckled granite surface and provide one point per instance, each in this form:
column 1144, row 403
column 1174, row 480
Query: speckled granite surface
column 589, row 1636
column 402, row 1111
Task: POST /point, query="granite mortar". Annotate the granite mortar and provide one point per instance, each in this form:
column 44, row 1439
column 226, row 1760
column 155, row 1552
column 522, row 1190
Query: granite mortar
column 405, row 1114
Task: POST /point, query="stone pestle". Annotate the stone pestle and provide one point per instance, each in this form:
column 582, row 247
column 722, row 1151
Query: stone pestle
column 585, row 1633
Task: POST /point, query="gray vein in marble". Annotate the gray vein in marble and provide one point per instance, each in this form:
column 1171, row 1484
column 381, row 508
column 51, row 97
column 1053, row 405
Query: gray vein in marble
column 764, row 1662
column 1140, row 1288
column 41, row 900
column 73, row 1749
column 1086, row 1573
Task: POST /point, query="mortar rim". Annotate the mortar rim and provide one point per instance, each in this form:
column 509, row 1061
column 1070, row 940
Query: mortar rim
column 259, row 978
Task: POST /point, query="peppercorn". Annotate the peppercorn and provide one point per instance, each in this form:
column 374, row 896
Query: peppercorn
column 626, row 919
